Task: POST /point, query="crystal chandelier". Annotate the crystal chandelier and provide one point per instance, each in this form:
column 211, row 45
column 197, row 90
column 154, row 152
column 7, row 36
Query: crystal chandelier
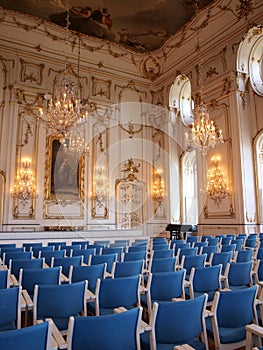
column 204, row 134
column 64, row 110
column 75, row 144
column 24, row 187
column 216, row 187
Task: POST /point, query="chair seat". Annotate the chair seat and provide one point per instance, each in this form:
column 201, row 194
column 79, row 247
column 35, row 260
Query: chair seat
column 227, row 335
column 145, row 344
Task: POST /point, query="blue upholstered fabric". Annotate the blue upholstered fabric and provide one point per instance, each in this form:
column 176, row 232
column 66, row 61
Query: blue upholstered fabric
column 28, row 338
column 9, row 299
column 177, row 323
column 16, row 265
column 128, row 268
column 90, row 273
column 31, row 277
column 59, row 302
column 3, row 279
column 110, row 332
column 66, row 262
column 235, row 310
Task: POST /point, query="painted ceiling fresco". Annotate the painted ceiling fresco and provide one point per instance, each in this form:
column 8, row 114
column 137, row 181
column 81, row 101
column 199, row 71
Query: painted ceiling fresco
column 142, row 25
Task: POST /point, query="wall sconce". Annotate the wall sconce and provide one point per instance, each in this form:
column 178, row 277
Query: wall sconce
column 24, row 186
column 100, row 191
column 216, row 186
column 158, row 186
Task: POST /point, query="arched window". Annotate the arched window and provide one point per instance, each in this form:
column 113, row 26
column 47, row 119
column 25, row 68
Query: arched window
column 180, row 100
column 250, row 58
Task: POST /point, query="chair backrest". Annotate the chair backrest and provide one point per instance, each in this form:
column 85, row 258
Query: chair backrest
column 28, row 278
column 36, row 250
column 236, row 307
column 212, row 241
column 4, row 279
column 238, row 243
column 250, row 243
column 159, row 254
column 159, row 240
column 16, row 265
column 90, row 273
column 98, row 248
column 137, row 248
column 28, row 246
column 48, row 255
column 134, row 256
column 191, row 239
column 239, row 275
column 180, row 245
column 186, row 322
column 105, row 258
column 70, row 248
column 244, row 255
column 208, row 251
column 9, row 248
column 10, row 311
column 163, row 265
column 200, row 245
column 58, row 245
column 221, row 258
column 116, row 250
column 190, row 261
column 128, row 268
column 16, row 256
column 117, row 292
column 28, row 337
column 86, row 253
column 228, row 247
column 117, row 331
column 83, row 244
column 167, row 285
column 226, row 240
column 67, row 262
column 160, row 246
column 206, row 280
column 59, row 302
column 205, row 238
column 103, row 243
column 185, row 251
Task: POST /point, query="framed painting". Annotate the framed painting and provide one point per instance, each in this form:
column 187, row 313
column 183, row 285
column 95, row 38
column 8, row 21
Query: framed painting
column 64, row 172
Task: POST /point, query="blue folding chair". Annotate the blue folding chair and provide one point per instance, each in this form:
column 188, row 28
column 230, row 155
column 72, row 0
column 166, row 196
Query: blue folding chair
column 4, row 279
column 86, row 253
column 232, row 311
column 66, row 263
column 16, row 256
column 10, row 309
column 109, row 259
column 243, row 255
column 91, row 273
column 163, row 286
column 116, row 292
column 116, row 250
column 162, row 265
column 29, row 278
column 28, row 246
column 57, row 245
column 36, row 250
column 48, row 255
column 116, row 332
column 134, row 256
column 204, row 280
column 28, row 338
column 59, row 302
column 177, row 323
column 128, row 268
column 239, row 275
column 190, row 261
column 200, row 245
column 82, row 244
column 16, row 265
